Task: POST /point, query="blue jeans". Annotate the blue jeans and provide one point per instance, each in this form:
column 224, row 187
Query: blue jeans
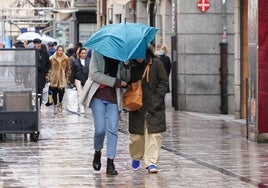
column 105, row 115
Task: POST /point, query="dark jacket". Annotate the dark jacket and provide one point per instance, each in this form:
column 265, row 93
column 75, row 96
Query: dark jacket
column 79, row 71
column 167, row 63
column 153, row 99
column 51, row 51
column 43, row 67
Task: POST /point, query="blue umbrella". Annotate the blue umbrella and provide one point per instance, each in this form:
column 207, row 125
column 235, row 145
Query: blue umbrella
column 122, row 41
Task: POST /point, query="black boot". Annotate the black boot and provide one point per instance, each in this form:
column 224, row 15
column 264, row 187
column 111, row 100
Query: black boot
column 97, row 160
column 110, row 167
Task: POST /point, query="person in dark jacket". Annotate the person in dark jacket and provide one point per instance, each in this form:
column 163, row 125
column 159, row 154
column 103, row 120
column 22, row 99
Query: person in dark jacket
column 79, row 75
column 50, row 48
column 43, row 66
column 165, row 59
column 73, row 54
column 146, row 125
column 19, row 44
column 162, row 53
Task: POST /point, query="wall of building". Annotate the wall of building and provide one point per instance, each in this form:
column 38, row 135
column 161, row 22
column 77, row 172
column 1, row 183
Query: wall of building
column 199, row 36
column 198, row 50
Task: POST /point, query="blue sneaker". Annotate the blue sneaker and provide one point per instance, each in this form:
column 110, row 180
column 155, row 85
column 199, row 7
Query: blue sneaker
column 135, row 164
column 152, row 169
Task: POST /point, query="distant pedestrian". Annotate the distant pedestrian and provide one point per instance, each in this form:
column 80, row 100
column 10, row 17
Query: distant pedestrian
column 19, row 44
column 44, row 47
column 89, row 53
column 59, row 77
column 165, row 60
column 69, row 52
column 50, row 48
column 55, row 44
column 147, row 124
column 43, row 66
column 79, row 75
column 2, row 45
column 74, row 54
column 79, row 44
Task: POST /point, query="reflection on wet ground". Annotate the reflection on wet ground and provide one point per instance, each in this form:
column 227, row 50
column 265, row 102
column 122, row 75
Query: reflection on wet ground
column 199, row 150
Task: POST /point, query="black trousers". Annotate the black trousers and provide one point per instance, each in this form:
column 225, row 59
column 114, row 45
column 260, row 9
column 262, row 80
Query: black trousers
column 57, row 93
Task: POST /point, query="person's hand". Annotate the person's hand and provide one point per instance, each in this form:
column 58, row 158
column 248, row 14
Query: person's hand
column 123, row 84
column 47, row 79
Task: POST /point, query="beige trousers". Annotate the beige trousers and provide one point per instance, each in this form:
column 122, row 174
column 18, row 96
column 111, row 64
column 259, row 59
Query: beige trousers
column 79, row 88
column 146, row 146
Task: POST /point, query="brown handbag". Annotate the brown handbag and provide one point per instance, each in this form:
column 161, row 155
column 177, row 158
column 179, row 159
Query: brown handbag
column 132, row 99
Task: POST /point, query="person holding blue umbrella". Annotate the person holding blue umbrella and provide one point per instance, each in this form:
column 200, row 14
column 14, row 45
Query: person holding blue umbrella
column 103, row 94
column 146, row 125
column 110, row 44
column 122, row 41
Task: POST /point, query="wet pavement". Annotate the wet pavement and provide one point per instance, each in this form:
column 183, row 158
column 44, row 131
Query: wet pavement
column 199, row 150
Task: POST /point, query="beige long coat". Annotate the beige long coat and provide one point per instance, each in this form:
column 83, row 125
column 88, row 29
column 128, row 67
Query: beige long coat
column 60, row 71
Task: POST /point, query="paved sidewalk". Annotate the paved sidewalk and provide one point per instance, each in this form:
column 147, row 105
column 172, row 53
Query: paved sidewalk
column 199, row 150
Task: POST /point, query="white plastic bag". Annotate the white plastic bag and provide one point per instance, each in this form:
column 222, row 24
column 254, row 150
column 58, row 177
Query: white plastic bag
column 72, row 100
column 45, row 94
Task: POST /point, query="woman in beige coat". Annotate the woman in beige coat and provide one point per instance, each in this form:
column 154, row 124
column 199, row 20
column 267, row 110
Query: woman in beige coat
column 58, row 76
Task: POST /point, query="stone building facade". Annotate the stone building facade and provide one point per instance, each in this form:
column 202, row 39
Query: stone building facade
column 193, row 38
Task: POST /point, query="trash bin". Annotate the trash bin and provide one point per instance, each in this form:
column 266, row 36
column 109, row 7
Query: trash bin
column 19, row 101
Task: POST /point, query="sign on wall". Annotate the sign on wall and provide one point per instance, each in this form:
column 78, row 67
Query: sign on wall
column 85, row 30
column 64, row 33
column 203, row 5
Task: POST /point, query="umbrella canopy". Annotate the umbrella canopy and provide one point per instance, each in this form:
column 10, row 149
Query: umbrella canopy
column 46, row 39
column 28, row 36
column 122, row 41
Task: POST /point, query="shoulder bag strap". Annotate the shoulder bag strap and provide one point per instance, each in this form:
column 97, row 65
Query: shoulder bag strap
column 147, row 70
column 146, row 73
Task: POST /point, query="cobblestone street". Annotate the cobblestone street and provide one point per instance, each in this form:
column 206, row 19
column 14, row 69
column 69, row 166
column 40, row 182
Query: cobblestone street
column 199, row 150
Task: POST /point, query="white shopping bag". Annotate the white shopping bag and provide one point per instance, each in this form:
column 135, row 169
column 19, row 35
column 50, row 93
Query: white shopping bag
column 45, row 94
column 72, row 100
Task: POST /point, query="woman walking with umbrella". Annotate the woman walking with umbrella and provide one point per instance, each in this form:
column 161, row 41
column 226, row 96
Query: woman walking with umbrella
column 147, row 124
column 103, row 94
column 120, row 42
